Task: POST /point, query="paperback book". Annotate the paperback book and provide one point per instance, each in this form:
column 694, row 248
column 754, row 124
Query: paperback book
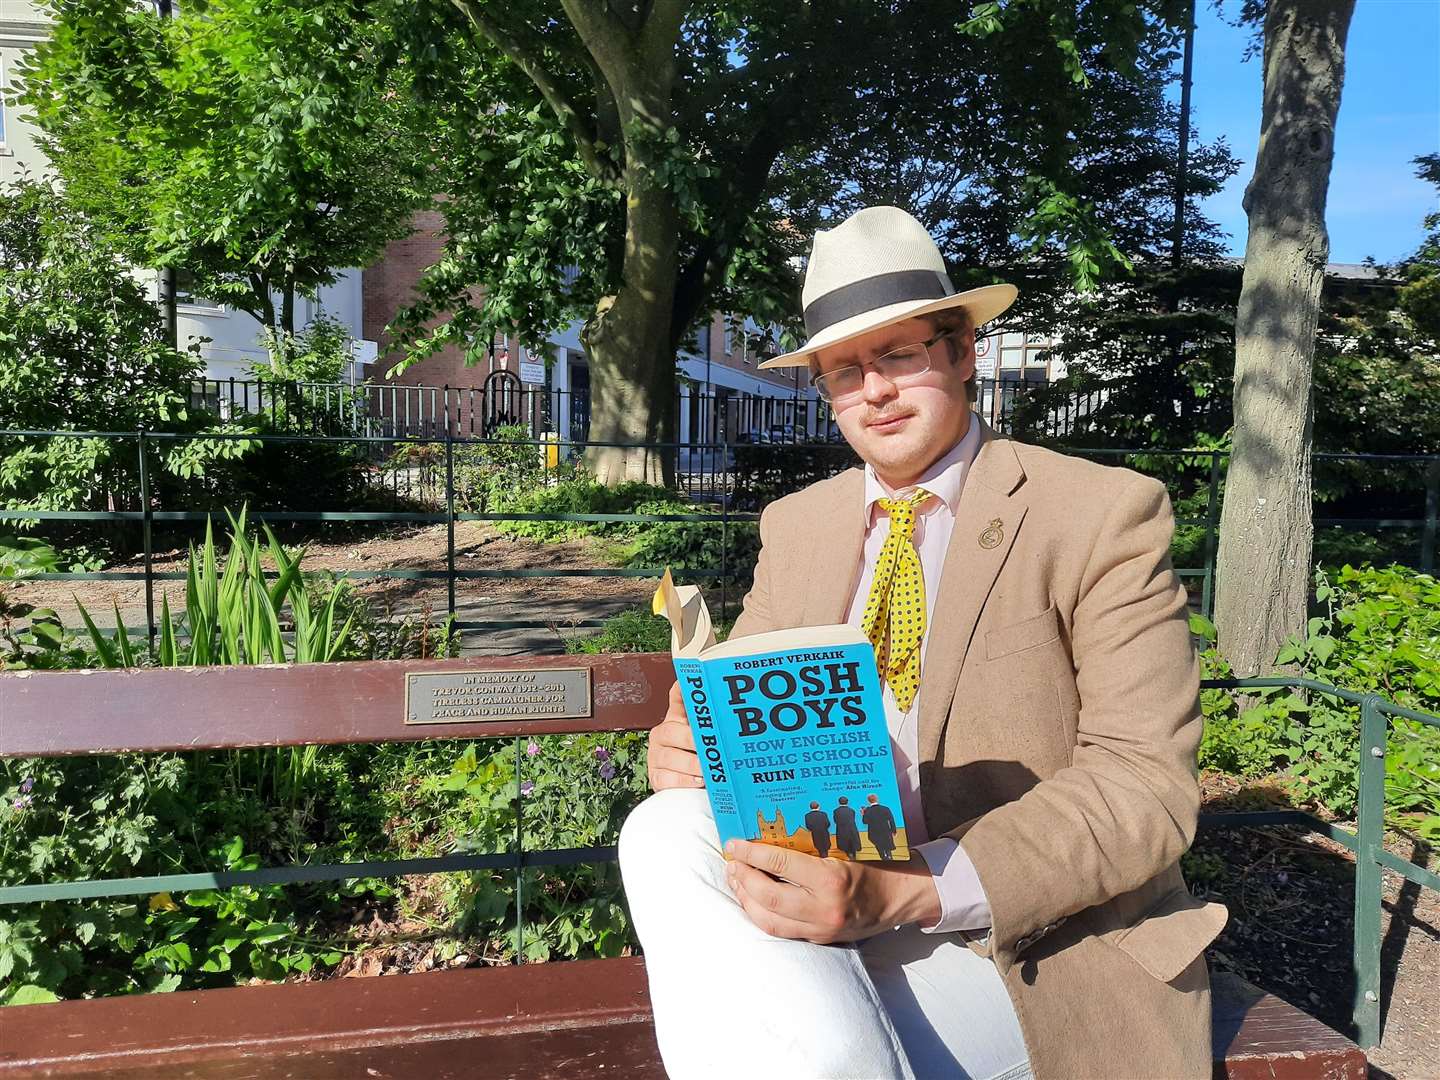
column 790, row 729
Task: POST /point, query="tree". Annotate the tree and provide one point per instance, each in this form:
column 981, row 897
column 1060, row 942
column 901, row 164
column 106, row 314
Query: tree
column 1420, row 296
column 82, row 348
column 666, row 159
column 1266, row 532
column 256, row 144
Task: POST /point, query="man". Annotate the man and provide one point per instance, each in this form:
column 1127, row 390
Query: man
column 818, row 822
column 1044, row 728
column 847, row 836
column 879, row 827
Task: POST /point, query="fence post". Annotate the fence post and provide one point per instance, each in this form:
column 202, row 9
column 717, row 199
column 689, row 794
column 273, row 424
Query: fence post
column 724, row 552
column 450, row 513
column 1370, row 830
column 146, row 541
column 1432, row 517
column 1208, row 588
column 519, row 857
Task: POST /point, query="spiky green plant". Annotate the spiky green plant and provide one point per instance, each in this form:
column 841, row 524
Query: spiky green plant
column 234, row 616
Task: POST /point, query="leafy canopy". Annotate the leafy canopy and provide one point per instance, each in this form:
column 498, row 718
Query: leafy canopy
column 257, row 144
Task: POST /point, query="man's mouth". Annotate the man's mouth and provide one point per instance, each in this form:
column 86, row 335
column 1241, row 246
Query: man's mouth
column 888, row 423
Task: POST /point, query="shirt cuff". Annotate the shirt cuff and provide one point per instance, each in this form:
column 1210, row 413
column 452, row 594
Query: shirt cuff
column 962, row 900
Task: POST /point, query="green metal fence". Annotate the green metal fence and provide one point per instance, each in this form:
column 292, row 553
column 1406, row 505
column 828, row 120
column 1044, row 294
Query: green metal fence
column 1367, row 841
column 1206, row 468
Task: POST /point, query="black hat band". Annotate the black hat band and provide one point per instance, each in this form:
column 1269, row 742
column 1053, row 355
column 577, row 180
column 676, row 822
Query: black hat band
column 871, row 293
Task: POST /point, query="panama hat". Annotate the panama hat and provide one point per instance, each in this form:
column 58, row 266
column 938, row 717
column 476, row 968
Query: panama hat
column 878, row 267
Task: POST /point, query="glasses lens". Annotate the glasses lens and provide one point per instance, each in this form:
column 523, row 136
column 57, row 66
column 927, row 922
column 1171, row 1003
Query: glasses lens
column 839, row 382
column 906, row 360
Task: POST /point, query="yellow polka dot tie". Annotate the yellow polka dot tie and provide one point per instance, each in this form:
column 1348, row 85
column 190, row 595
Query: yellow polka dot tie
column 894, row 619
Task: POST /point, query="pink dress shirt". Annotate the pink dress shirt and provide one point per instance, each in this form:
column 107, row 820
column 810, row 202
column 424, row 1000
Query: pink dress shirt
column 962, row 901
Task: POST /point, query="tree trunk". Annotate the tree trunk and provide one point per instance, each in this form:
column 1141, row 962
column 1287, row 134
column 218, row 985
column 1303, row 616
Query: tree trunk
column 287, row 308
column 1266, row 526
column 628, row 340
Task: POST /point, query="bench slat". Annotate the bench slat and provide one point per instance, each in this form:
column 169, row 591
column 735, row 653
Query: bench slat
column 51, row 713
column 1258, row 1036
column 535, row 1020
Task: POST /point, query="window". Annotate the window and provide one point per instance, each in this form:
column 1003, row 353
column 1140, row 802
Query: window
column 185, row 295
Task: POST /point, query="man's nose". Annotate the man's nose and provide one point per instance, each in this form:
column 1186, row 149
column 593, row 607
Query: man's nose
column 877, row 388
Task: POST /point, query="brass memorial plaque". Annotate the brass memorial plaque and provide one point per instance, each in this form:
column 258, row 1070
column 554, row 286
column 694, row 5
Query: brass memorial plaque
column 496, row 694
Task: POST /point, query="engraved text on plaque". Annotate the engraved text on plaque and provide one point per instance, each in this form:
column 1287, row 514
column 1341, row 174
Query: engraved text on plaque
column 495, row 694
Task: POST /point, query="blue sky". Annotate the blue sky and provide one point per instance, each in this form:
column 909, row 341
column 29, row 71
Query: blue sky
column 1389, row 114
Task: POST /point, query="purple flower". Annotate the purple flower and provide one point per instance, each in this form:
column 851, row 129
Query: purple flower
column 23, row 802
column 532, row 748
column 26, row 785
column 601, row 754
column 607, row 771
column 528, row 786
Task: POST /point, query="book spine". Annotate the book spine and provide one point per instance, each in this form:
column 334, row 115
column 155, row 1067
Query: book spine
column 709, row 746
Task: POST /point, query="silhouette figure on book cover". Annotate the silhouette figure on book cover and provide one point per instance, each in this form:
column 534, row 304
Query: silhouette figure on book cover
column 818, row 822
column 847, row 836
column 880, row 825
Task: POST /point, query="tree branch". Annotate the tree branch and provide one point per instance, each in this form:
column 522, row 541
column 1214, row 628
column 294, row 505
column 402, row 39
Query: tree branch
column 703, row 270
column 528, row 61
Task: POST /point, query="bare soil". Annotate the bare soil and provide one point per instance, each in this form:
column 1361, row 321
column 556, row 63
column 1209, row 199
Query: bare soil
column 478, row 546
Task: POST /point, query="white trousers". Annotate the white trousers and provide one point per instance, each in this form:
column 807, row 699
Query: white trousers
column 731, row 1001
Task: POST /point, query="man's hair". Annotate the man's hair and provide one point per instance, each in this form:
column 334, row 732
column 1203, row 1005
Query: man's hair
column 956, row 325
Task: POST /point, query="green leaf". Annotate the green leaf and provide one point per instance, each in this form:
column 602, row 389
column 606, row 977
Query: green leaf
column 269, row 934
column 30, row 994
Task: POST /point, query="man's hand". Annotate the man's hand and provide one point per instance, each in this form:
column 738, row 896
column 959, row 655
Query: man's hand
column 790, row 894
column 671, row 760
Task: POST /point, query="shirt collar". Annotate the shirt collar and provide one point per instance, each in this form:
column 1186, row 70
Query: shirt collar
column 944, row 479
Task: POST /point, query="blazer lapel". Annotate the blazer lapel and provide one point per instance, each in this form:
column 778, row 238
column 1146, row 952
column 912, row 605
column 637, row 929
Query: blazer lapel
column 986, row 523
column 836, row 540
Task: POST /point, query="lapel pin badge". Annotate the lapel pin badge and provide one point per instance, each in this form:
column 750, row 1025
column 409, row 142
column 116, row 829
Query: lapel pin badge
column 993, row 535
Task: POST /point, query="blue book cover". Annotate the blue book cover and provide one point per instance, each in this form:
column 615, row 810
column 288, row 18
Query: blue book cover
column 791, row 734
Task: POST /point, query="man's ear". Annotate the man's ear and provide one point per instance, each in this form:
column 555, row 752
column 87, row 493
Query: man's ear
column 963, row 343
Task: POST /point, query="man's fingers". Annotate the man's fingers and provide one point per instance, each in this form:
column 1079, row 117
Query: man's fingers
column 772, row 922
column 671, row 732
column 773, row 860
column 781, row 897
column 660, row 779
column 668, row 757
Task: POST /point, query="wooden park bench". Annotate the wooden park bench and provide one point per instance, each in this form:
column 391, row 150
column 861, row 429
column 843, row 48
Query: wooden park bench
column 585, row 1018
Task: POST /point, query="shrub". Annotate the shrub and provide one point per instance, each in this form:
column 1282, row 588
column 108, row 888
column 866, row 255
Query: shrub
column 492, row 476
column 581, row 495
column 1377, row 630
column 764, row 473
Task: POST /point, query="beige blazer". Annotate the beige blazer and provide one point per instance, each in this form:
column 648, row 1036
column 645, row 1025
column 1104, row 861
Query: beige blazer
column 1059, row 720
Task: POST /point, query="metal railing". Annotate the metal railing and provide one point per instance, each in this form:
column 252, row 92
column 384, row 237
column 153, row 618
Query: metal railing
column 1367, row 841
column 48, row 735
column 147, row 515
column 705, row 414
column 714, row 492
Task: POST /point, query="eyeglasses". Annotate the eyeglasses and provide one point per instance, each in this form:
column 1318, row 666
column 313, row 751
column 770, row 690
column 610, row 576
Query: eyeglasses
column 896, row 366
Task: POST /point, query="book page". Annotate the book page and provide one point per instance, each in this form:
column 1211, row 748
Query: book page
column 684, row 608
